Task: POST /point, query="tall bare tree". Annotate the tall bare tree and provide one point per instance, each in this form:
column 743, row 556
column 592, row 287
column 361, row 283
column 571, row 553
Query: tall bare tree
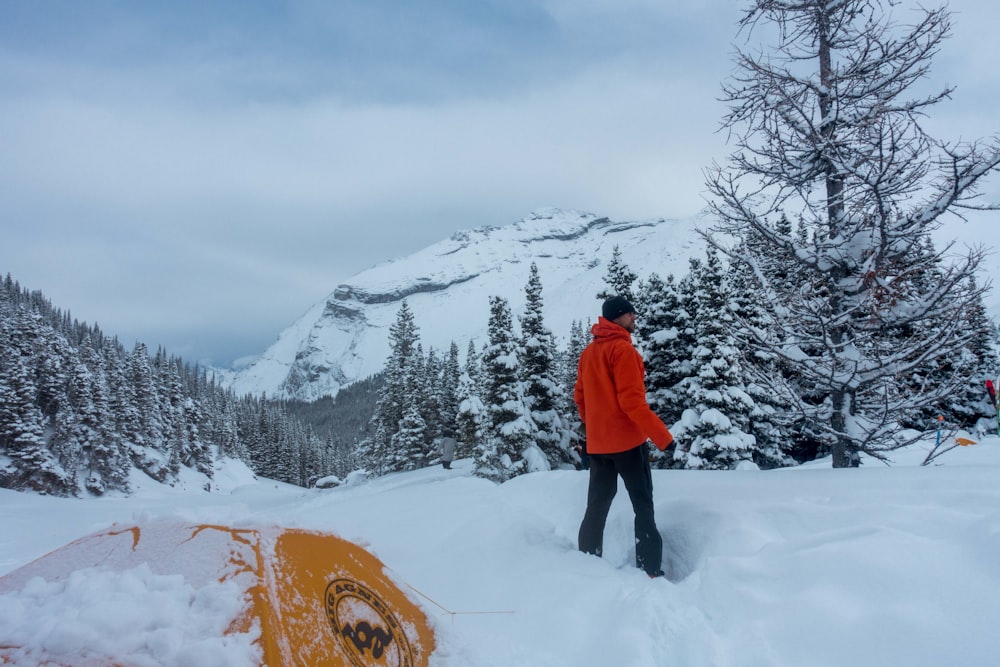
column 827, row 129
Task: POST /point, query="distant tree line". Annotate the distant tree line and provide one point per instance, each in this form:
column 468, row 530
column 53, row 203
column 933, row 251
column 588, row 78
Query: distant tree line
column 79, row 411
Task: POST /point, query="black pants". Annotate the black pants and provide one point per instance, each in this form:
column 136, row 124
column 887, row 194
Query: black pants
column 633, row 466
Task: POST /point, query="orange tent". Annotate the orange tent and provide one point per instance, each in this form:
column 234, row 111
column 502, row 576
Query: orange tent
column 315, row 598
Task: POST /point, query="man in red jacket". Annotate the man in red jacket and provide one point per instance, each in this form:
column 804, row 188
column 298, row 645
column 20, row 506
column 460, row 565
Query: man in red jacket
column 610, row 395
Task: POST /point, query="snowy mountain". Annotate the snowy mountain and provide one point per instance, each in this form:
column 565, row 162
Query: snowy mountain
column 447, row 286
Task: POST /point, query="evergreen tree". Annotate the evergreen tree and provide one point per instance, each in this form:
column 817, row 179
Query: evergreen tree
column 284, row 460
column 667, row 358
column 772, row 423
column 149, row 431
column 428, row 391
column 542, row 390
column 225, row 428
column 448, row 393
column 972, row 403
column 177, row 443
column 666, row 355
column 312, row 465
column 29, row 464
column 715, row 425
column 970, row 368
column 474, row 366
column 509, row 428
column 396, row 397
column 409, row 442
column 579, row 338
column 687, row 317
column 620, row 280
column 471, row 410
column 103, row 460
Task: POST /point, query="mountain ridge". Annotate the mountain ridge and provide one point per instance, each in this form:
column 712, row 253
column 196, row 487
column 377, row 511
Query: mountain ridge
column 447, row 285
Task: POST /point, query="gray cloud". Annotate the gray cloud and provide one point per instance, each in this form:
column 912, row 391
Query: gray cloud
column 195, row 177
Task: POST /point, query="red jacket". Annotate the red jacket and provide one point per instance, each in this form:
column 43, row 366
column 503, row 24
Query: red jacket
column 610, row 394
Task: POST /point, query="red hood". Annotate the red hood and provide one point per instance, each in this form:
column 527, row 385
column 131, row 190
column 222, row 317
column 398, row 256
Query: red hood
column 608, row 330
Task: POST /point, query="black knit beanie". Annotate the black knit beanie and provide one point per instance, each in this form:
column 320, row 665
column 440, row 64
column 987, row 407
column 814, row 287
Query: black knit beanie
column 615, row 307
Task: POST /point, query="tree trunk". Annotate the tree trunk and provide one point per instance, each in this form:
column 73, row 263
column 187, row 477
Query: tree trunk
column 845, row 453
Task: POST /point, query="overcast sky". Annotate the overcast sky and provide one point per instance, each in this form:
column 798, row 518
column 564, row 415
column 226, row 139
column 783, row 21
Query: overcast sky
column 196, row 173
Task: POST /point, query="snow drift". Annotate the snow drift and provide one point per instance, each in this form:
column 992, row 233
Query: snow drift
column 803, row 566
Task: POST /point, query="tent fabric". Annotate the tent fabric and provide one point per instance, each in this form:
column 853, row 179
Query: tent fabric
column 309, row 598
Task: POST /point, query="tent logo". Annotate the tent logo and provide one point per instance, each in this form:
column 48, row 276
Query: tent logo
column 365, row 626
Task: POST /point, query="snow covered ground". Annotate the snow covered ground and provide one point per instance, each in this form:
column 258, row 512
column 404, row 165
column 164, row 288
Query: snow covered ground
column 809, row 566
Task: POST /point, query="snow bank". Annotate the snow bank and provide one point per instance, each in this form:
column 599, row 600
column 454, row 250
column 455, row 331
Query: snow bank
column 810, row 566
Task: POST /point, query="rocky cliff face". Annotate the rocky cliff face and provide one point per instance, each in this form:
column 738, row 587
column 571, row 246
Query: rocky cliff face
column 448, row 285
